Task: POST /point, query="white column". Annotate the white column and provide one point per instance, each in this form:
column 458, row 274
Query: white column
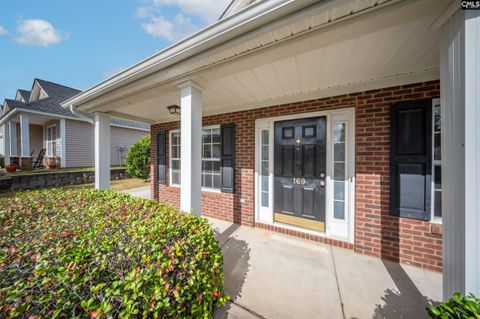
column 25, row 135
column 460, row 94
column 63, row 133
column 6, row 143
column 12, row 127
column 102, row 151
column 191, row 141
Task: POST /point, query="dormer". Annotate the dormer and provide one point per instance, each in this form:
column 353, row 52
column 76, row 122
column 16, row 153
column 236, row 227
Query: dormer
column 5, row 108
column 22, row 96
column 37, row 92
column 235, row 6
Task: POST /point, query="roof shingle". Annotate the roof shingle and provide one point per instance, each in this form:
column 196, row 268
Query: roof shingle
column 58, row 93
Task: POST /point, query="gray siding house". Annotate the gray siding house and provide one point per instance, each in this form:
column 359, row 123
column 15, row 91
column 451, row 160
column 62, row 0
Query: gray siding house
column 34, row 120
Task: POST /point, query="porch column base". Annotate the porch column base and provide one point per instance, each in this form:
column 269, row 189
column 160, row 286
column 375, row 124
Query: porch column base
column 26, row 163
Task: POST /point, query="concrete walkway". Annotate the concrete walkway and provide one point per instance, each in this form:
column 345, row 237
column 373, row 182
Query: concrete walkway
column 270, row 275
column 143, row 192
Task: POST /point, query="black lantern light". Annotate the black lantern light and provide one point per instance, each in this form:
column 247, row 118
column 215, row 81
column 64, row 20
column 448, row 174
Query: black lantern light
column 173, row 109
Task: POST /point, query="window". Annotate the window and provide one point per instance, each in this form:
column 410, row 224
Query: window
column 211, row 158
column 265, row 156
column 437, row 162
column 175, row 158
column 52, row 140
column 339, row 170
column 211, row 176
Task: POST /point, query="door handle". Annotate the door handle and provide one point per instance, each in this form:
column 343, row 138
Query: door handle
column 322, row 183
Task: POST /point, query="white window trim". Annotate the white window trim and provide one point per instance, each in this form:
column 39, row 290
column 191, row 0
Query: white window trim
column 171, row 132
column 48, row 142
column 265, row 215
column 433, row 218
column 170, row 160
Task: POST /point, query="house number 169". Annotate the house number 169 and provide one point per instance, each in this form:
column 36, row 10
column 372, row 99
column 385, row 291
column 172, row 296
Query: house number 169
column 299, row 181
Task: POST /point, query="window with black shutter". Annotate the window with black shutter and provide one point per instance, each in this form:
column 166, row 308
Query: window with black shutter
column 411, row 159
column 218, row 158
column 161, row 156
column 227, row 157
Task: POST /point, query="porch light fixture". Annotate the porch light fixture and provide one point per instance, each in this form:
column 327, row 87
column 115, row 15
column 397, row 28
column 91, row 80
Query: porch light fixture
column 174, row 109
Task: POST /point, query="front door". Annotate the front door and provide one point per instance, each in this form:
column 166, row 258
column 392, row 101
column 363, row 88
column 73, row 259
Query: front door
column 300, row 172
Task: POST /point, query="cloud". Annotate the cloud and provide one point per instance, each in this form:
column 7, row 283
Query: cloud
column 208, row 10
column 3, row 31
column 190, row 16
column 160, row 27
column 37, row 32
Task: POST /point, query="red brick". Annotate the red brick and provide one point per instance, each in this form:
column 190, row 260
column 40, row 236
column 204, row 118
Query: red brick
column 377, row 234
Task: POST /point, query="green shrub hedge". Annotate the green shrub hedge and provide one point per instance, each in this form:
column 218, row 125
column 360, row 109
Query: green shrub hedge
column 138, row 158
column 457, row 307
column 99, row 254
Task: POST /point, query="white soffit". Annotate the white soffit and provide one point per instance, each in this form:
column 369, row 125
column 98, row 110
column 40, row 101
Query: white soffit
column 385, row 49
column 315, row 16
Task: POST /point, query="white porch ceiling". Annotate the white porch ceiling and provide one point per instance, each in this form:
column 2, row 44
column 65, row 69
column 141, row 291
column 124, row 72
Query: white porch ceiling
column 394, row 43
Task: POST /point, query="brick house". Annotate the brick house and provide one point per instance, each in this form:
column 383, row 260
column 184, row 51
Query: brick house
column 350, row 123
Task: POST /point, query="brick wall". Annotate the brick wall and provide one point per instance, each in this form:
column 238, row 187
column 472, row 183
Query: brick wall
column 376, row 233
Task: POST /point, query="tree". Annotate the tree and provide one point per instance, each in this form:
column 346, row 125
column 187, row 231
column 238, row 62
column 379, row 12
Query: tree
column 138, row 158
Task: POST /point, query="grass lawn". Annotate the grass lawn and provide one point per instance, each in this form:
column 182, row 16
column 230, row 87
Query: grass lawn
column 120, row 185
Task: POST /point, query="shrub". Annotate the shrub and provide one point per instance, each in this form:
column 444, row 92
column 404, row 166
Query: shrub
column 86, row 253
column 138, row 158
column 458, row 307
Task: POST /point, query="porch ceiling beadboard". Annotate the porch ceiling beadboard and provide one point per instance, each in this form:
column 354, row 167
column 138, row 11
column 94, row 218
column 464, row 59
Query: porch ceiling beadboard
column 329, row 48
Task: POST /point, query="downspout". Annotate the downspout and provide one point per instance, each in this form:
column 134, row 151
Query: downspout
column 81, row 114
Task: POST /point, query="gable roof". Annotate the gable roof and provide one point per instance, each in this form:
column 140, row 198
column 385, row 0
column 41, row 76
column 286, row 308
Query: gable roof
column 24, row 94
column 56, row 94
column 55, row 90
column 13, row 103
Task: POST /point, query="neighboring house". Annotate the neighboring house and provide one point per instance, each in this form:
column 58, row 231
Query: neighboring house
column 34, row 120
column 353, row 123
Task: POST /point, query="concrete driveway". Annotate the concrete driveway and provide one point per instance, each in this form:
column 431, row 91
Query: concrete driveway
column 270, row 275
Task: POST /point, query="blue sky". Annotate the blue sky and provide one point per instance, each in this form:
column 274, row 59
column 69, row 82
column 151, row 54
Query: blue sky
column 81, row 42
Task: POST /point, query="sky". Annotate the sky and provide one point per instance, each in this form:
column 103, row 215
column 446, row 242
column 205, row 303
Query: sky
column 79, row 43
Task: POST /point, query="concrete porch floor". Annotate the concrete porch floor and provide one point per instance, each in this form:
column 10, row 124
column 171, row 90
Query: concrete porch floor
column 270, row 275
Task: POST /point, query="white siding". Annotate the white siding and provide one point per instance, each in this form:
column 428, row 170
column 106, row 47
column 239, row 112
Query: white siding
column 460, row 80
column 36, row 139
column 125, row 137
column 80, row 144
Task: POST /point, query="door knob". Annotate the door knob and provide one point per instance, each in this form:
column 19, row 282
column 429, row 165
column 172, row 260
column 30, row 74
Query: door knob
column 322, row 183
column 322, row 175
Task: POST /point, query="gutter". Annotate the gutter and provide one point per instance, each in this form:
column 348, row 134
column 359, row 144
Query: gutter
column 19, row 109
column 213, row 35
column 81, row 114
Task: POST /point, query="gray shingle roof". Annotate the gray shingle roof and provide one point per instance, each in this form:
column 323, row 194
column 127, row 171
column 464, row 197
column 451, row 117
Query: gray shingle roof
column 14, row 103
column 58, row 93
column 25, row 94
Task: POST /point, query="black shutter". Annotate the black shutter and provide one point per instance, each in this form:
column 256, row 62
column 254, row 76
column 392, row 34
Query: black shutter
column 411, row 159
column 161, row 157
column 227, row 157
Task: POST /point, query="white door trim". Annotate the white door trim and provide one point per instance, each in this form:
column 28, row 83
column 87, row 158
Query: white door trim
column 334, row 228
